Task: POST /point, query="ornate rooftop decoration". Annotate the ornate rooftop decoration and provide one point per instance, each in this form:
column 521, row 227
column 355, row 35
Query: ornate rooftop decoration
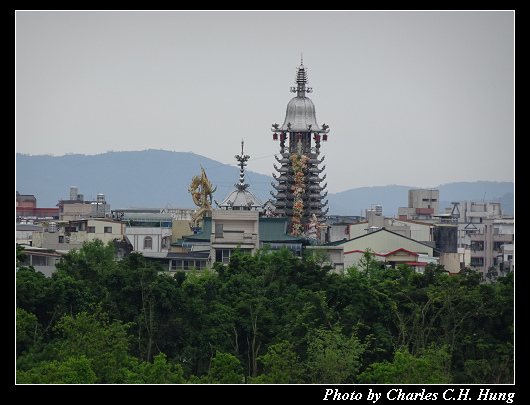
column 242, row 159
column 300, row 115
column 241, row 198
column 202, row 193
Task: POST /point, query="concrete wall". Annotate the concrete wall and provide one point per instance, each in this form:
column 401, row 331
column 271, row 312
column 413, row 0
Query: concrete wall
column 239, row 228
column 137, row 235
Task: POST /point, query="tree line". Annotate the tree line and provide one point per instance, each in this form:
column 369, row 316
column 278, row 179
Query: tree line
column 267, row 318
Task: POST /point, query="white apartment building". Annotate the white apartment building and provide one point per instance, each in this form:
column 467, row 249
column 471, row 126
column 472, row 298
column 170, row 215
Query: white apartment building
column 485, row 235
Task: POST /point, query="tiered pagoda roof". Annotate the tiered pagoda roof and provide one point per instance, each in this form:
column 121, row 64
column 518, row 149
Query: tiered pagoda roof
column 300, row 189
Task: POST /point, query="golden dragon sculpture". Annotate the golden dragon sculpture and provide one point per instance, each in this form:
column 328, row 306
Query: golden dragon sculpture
column 202, row 193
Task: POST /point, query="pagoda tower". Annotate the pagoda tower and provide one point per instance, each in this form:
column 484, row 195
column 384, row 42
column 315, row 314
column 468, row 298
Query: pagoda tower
column 299, row 190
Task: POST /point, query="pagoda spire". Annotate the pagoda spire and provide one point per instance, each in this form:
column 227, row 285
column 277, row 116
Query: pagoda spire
column 301, row 80
column 241, row 198
column 242, row 159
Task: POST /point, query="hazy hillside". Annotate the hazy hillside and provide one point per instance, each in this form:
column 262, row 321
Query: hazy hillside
column 156, row 178
column 149, row 178
column 351, row 202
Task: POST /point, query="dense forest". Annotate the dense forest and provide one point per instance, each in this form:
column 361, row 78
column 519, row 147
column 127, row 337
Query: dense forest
column 267, row 318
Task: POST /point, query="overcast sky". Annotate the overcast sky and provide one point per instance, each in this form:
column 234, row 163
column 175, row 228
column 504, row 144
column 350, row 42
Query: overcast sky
column 411, row 98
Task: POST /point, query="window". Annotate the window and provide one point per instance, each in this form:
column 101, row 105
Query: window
column 180, row 264
column 477, row 261
column 107, row 229
column 61, row 239
column 218, row 230
column 223, row 255
column 477, row 245
column 38, row 260
column 148, row 242
column 91, row 229
column 498, row 245
column 175, row 265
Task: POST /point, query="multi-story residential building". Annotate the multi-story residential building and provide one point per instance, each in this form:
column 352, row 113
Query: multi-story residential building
column 422, row 205
column 470, row 216
column 485, row 236
column 487, row 246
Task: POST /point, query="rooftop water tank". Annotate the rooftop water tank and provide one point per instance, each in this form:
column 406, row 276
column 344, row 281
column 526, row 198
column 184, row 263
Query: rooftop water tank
column 73, row 193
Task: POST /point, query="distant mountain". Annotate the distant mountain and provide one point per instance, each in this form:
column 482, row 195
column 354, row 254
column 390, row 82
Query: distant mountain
column 148, row 178
column 355, row 201
column 159, row 178
column 491, row 191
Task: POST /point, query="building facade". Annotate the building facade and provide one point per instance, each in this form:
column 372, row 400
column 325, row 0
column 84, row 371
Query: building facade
column 422, row 205
column 28, row 212
column 76, row 207
column 388, row 247
column 72, row 234
column 484, row 236
column 488, row 246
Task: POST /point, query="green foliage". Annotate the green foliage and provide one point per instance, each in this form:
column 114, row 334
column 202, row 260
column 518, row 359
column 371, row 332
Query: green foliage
column 226, row 369
column 20, row 256
column 268, row 318
column 158, row 372
column 73, row 370
column 26, row 329
column 95, row 337
column 281, row 365
column 429, row 368
column 333, row 358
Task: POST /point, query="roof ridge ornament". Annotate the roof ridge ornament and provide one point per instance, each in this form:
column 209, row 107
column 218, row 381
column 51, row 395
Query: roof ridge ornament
column 242, row 159
column 241, row 198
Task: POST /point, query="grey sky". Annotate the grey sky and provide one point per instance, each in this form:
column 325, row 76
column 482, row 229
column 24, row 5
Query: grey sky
column 413, row 98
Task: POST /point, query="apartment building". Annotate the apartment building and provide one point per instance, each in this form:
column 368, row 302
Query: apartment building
column 422, row 205
column 488, row 246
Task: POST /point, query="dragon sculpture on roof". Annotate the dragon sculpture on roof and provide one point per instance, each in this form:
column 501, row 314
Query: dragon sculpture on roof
column 202, row 193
